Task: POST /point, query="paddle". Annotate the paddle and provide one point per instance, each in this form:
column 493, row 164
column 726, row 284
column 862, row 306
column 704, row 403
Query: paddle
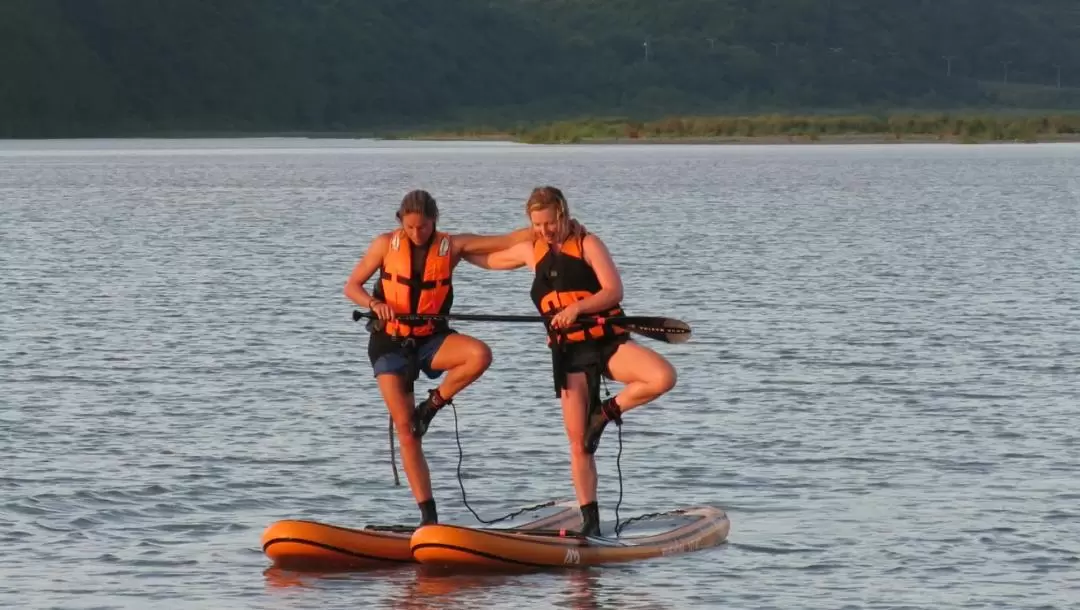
column 668, row 330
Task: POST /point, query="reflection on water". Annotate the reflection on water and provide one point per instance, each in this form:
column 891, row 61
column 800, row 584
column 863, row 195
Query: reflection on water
column 423, row 587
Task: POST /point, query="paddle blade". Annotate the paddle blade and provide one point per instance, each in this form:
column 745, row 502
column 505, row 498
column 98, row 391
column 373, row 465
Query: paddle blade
column 668, row 330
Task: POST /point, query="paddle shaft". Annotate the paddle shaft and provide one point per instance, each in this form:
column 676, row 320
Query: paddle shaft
column 420, row 317
column 668, row 330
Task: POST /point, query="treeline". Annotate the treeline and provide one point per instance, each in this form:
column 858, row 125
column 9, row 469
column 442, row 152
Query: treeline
column 125, row 67
column 955, row 127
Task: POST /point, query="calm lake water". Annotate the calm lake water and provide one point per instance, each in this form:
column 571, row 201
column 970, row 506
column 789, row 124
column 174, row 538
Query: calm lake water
column 882, row 389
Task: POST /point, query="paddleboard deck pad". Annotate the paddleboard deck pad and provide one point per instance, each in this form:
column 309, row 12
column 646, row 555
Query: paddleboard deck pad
column 690, row 529
column 310, row 545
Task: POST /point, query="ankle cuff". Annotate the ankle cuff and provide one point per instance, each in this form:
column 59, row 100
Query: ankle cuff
column 611, row 411
column 436, row 399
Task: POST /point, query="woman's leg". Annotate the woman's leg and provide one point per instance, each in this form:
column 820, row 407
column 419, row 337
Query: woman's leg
column 400, row 403
column 464, row 359
column 646, row 374
column 575, row 404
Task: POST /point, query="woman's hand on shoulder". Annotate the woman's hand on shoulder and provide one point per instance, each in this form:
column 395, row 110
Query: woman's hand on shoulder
column 577, row 229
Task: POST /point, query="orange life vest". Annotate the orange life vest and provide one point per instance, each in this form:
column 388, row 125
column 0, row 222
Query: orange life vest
column 406, row 289
column 564, row 278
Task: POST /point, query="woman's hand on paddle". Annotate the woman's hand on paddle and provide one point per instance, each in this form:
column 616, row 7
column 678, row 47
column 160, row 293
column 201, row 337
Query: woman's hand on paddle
column 567, row 316
column 382, row 310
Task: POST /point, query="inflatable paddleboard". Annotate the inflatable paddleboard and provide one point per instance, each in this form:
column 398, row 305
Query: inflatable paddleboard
column 311, row 545
column 694, row 528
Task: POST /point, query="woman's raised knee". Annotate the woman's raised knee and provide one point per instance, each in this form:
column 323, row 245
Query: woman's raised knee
column 664, row 379
column 480, row 356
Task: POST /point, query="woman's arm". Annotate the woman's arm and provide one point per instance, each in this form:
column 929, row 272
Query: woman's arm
column 467, row 244
column 514, row 257
column 611, row 288
column 372, row 260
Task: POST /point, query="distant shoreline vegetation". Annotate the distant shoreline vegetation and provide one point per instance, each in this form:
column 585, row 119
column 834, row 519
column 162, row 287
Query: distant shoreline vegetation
column 774, row 128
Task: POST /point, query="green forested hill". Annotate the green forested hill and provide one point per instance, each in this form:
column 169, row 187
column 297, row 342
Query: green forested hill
column 103, row 67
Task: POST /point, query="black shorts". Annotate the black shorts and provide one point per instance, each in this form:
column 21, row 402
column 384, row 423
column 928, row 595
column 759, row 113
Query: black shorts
column 590, row 357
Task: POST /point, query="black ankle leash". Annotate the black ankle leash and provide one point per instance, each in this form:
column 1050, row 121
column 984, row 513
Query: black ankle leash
column 393, row 460
column 618, row 465
column 461, row 484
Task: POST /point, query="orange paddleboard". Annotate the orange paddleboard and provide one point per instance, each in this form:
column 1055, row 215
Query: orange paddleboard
column 310, row 545
column 698, row 527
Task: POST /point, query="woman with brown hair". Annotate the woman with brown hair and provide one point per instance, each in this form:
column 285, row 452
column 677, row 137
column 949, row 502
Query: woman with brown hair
column 415, row 264
column 575, row 276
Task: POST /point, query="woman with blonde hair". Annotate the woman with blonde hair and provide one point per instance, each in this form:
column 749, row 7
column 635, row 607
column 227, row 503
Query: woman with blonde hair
column 574, row 276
